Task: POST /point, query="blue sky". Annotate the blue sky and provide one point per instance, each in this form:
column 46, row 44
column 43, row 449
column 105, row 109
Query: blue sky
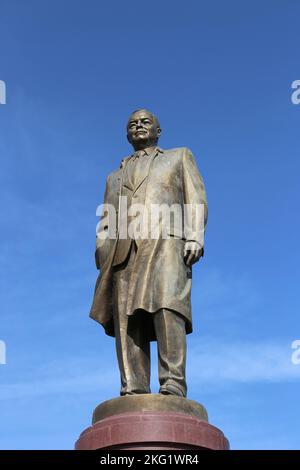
column 218, row 74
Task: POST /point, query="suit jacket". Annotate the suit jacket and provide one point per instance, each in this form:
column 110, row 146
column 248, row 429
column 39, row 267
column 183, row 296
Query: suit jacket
column 161, row 279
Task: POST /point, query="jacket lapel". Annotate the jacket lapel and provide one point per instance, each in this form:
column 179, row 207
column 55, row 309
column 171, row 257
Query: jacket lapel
column 144, row 177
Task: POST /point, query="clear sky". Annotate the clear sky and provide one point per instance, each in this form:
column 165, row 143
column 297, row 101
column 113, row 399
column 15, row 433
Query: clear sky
column 218, row 74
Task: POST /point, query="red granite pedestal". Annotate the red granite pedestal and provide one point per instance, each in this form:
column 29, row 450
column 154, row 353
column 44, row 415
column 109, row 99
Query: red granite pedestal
column 151, row 422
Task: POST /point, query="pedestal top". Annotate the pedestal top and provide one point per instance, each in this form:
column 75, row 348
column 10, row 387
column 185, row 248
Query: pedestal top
column 149, row 402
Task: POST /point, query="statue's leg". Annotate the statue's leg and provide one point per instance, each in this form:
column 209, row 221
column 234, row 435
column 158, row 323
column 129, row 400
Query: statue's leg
column 171, row 344
column 133, row 347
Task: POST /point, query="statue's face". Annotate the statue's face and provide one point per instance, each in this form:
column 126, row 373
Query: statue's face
column 142, row 130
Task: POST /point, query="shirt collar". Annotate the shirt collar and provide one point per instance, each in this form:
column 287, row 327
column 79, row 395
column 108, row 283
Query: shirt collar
column 149, row 150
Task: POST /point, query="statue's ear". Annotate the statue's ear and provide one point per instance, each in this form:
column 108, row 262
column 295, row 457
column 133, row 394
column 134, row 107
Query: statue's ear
column 128, row 138
column 158, row 132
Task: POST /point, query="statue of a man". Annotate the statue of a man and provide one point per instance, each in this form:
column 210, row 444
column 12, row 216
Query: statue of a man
column 144, row 286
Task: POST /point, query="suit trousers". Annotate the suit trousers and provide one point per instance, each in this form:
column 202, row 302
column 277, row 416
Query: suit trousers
column 133, row 344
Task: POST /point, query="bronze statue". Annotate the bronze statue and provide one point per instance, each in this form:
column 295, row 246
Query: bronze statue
column 144, row 286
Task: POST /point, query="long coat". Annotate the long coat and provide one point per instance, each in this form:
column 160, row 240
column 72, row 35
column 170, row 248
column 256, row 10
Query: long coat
column 161, row 279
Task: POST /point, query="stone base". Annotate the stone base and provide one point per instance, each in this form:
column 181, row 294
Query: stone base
column 151, row 422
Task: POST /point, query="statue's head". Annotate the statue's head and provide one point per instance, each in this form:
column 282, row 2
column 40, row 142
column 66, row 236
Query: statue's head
column 143, row 129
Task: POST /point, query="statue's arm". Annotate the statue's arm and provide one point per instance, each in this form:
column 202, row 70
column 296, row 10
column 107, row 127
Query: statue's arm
column 196, row 210
column 102, row 226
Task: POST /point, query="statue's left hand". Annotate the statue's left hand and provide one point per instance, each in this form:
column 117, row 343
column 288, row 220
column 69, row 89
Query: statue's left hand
column 192, row 252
